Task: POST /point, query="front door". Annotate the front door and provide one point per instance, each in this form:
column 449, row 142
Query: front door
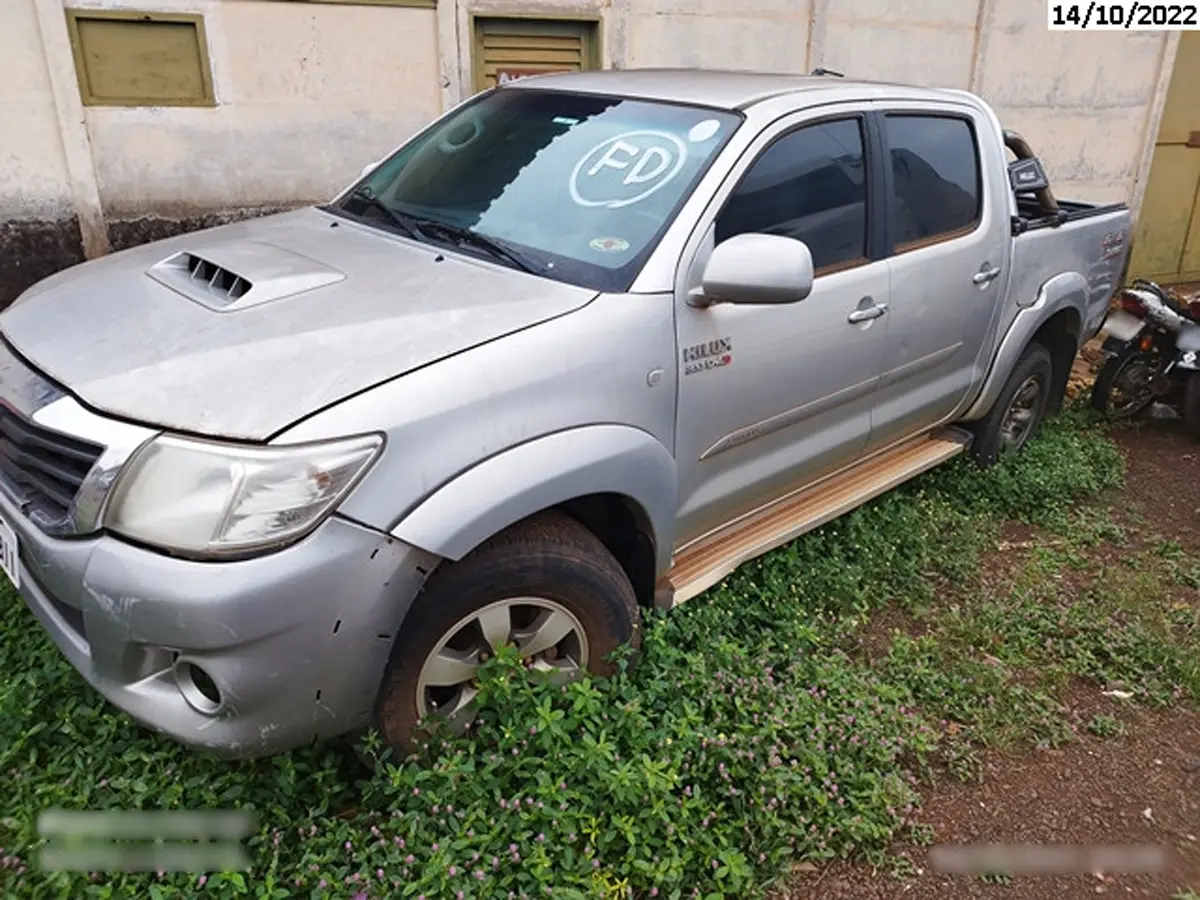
column 772, row 397
column 1167, row 245
column 949, row 267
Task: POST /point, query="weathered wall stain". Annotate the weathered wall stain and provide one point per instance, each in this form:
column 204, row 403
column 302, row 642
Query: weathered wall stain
column 130, row 232
column 30, row 250
column 33, row 250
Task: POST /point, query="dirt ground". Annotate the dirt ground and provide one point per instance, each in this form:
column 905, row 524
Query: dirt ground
column 1141, row 789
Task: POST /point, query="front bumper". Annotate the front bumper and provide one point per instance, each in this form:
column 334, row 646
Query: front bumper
column 294, row 642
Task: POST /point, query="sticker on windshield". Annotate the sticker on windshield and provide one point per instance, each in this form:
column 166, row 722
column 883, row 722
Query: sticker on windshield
column 627, row 169
column 609, row 245
column 702, row 131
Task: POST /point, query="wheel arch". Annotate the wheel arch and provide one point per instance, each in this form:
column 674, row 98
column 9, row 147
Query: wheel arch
column 617, row 481
column 1055, row 320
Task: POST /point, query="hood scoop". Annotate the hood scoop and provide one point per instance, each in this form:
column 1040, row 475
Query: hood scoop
column 231, row 277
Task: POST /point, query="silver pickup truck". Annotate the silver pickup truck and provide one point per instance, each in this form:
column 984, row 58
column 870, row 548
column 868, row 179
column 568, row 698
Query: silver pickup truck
column 581, row 347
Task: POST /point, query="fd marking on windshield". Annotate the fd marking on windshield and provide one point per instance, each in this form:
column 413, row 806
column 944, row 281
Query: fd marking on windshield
column 711, row 355
column 627, row 169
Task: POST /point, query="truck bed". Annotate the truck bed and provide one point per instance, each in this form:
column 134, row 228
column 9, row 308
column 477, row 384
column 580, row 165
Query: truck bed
column 1089, row 239
column 1032, row 216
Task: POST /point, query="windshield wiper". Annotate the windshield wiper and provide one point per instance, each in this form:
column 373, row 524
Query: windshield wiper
column 490, row 245
column 406, row 222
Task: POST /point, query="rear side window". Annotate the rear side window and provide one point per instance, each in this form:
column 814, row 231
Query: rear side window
column 809, row 185
column 936, row 185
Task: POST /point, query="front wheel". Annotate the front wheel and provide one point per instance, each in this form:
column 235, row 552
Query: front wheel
column 1124, row 386
column 1018, row 411
column 547, row 586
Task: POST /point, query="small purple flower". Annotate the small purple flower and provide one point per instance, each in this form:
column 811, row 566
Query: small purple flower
column 452, row 871
column 201, row 881
column 410, row 859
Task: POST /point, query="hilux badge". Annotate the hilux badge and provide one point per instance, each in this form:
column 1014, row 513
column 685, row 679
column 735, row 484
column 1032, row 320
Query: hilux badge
column 711, row 355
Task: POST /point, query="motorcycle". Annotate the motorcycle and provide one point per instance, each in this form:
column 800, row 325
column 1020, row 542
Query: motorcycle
column 1153, row 354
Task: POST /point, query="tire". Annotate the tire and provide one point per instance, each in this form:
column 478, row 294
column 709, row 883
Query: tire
column 1034, row 367
column 549, row 559
column 1191, row 407
column 1106, row 380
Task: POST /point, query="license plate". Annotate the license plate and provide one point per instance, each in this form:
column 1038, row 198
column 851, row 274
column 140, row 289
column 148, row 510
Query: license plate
column 10, row 559
column 1123, row 326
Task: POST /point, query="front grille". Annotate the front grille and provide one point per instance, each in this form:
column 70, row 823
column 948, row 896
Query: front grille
column 42, row 468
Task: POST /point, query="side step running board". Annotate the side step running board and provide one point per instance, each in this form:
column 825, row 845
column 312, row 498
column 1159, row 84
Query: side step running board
column 704, row 563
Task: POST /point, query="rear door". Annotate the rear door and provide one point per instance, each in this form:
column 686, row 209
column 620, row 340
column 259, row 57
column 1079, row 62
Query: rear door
column 949, row 235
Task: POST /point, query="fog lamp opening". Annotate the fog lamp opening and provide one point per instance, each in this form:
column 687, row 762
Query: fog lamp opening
column 198, row 688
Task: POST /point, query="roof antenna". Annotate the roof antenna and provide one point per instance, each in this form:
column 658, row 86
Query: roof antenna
column 821, row 71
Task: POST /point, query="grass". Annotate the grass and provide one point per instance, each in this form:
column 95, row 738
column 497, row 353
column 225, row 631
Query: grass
column 753, row 735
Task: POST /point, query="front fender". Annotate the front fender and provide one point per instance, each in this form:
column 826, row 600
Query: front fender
column 1068, row 291
column 547, row 471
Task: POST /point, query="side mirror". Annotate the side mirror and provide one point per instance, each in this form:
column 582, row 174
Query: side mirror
column 756, row 268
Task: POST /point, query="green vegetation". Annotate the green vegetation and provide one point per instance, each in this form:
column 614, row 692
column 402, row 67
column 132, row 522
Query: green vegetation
column 761, row 728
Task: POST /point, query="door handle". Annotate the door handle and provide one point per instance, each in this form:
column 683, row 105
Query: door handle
column 987, row 275
column 866, row 315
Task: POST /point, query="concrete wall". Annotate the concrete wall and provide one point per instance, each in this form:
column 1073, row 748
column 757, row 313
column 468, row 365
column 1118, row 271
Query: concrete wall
column 1085, row 100
column 754, row 34
column 38, row 232
column 927, row 42
column 33, row 171
column 308, row 93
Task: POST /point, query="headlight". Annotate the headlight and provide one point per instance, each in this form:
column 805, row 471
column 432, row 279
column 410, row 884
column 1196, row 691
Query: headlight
column 209, row 499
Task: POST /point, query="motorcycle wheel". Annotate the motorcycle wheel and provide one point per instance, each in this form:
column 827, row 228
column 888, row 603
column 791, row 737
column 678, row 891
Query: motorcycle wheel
column 1116, row 375
column 1191, row 407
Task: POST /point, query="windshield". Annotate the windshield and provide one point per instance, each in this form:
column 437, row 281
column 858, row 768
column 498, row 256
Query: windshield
column 577, row 187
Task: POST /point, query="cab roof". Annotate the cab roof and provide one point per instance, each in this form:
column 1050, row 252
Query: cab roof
column 730, row 90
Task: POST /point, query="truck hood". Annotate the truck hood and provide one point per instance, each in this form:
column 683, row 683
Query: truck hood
column 240, row 330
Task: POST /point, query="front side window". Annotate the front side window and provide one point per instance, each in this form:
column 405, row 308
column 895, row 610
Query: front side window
column 581, row 186
column 936, row 187
column 811, row 185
